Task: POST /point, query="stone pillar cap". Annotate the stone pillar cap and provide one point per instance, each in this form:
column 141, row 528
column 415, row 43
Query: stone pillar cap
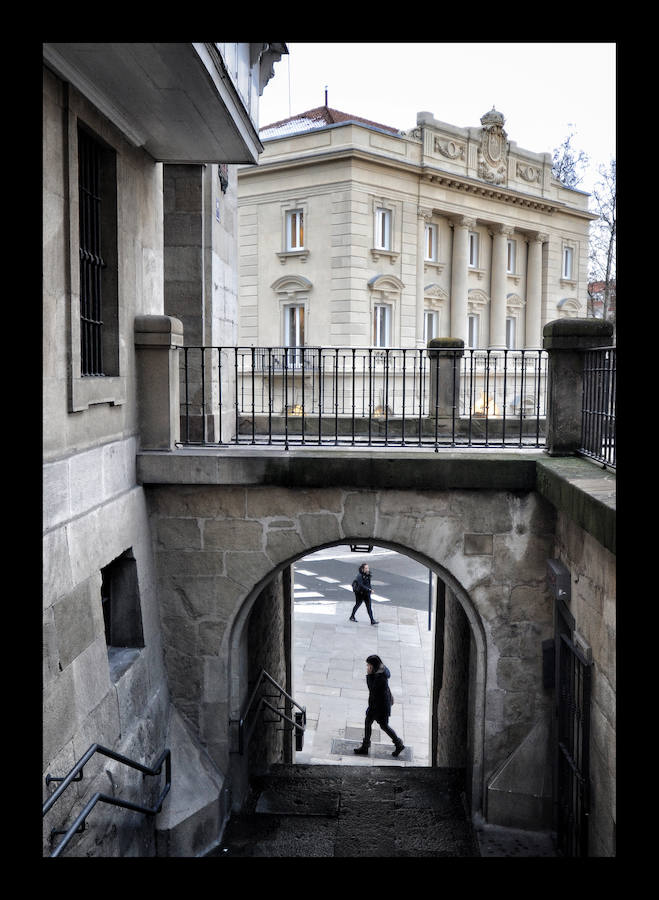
column 576, row 334
column 158, row 330
column 446, row 343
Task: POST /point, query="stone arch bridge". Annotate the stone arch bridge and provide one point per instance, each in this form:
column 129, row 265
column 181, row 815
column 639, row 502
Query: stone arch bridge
column 227, row 528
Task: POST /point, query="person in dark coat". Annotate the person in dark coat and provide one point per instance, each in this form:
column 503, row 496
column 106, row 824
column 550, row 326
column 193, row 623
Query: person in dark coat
column 379, row 705
column 363, row 593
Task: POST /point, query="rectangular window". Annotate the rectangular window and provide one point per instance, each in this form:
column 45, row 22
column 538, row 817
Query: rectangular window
column 510, row 332
column 431, row 242
column 473, row 249
column 381, row 325
column 383, row 229
column 567, row 262
column 294, row 332
column 430, row 329
column 472, row 327
column 295, row 230
column 97, row 196
column 510, row 263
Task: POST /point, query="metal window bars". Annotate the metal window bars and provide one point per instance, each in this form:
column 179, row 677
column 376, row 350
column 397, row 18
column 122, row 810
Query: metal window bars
column 91, row 260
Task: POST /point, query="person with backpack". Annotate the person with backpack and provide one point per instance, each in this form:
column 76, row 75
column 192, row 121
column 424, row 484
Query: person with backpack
column 380, row 702
column 362, row 588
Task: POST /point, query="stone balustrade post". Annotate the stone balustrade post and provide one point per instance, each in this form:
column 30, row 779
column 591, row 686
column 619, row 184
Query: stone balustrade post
column 444, row 355
column 157, row 340
column 566, row 341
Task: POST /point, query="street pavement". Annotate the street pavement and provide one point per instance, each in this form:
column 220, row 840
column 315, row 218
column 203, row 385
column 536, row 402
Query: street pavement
column 329, row 658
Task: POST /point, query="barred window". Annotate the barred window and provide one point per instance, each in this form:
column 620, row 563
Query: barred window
column 98, row 282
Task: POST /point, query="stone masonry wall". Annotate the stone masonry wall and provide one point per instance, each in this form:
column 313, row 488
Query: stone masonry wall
column 593, row 576
column 217, row 546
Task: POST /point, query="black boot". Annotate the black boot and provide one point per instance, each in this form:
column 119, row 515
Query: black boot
column 400, row 746
column 363, row 750
column 352, row 619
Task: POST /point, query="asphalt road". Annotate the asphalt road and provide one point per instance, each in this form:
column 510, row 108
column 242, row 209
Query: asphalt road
column 395, row 578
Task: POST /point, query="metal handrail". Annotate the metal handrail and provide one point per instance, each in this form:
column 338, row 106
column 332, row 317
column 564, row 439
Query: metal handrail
column 244, row 738
column 76, row 775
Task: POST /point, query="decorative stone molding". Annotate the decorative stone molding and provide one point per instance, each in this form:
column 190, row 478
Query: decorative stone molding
column 377, row 252
column 514, row 303
column 386, row 285
column 285, row 255
column 493, row 151
column 291, row 285
column 477, row 300
column 568, row 308
column 449, row 149
column 532, row 174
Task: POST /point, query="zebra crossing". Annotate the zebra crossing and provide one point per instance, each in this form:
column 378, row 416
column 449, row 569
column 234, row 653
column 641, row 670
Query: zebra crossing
column 312, row 590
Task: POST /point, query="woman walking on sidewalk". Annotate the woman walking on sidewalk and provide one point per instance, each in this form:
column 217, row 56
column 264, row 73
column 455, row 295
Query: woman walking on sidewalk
column 379, row 705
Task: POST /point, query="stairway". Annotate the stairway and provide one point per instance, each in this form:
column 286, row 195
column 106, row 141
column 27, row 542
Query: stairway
column 348, row 811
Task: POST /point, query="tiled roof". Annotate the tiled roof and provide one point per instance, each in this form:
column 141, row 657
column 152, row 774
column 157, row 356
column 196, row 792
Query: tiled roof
column 320, row 117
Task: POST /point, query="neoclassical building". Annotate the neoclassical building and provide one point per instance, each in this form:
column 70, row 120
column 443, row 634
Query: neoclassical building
column 355, row 234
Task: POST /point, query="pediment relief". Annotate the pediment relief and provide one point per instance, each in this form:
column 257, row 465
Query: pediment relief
column 568, row 308
column 477, row 299
column 386, row 283
column 291, row 284
column 514, row 301
column 435, row 291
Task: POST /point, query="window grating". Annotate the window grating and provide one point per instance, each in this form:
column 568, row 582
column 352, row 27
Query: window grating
column 91, row 260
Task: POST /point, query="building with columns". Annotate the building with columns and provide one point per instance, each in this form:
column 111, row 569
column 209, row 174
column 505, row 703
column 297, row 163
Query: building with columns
column 355, row 234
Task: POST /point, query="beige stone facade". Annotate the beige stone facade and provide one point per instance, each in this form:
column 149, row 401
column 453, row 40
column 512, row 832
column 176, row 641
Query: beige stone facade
column 353, row 234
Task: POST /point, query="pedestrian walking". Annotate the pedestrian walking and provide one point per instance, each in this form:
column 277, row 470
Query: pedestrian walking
column 380, row 701
column 362, row 588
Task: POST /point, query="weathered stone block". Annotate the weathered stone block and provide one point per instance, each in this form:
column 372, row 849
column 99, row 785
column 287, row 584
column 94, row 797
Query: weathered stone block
column 178, row 534
column 232, row 534
column 75, row 623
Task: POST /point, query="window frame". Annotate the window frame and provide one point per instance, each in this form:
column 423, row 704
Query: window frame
column 511, row 332
column 382, row 310
column 111, row 388
column 431, row 242
column 473, row 249
column 294, row 217
column 567, row 273
column 383, row 217
column 511, row 256
column 430, row 315
column 473, row 324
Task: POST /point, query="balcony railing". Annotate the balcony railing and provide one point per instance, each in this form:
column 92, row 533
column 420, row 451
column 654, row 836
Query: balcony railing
column 363, row 396
column 598, row 418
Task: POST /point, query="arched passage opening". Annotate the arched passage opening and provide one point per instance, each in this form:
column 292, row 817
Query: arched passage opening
column 264, row 635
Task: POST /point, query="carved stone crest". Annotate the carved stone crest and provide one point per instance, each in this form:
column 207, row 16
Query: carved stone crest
column 493, row 152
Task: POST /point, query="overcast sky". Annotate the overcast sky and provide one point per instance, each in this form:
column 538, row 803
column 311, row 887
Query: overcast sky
column 544, row 90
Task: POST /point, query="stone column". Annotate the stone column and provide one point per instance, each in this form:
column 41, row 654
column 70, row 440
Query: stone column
column 444, row 388
column 533, row 337
column 459, row 263
column 498, row 287
column 423, row 217
column 566, row 340
column 157, row 339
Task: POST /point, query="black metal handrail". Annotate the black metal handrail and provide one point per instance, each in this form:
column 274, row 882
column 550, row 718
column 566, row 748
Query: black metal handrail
column 75, row 774
column 245, row 730
column 362, row 396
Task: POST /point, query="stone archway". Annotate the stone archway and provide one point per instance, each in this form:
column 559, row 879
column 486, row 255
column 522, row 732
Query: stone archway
column 239, row 654
column 218, row 546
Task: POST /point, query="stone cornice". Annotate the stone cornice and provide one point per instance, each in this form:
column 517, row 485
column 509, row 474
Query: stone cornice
column 459, row 183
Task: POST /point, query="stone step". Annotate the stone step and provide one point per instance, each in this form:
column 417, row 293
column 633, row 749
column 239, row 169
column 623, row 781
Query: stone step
column 352, row 811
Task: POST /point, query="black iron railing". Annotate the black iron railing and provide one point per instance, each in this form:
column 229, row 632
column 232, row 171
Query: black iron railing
column 259, row 702
column 598, row 422
column 76, row 775
column 363, row 396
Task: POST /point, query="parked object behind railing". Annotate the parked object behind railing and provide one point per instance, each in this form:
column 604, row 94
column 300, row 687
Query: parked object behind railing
column 598, row 432
column 76, row 775
column 363, row 396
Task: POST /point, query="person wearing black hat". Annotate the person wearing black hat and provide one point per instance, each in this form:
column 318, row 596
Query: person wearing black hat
column 362, row 588
column 379, row 705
